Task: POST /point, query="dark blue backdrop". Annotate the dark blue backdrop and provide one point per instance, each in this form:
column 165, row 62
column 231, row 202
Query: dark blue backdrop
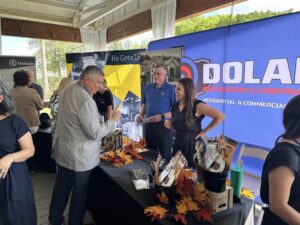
column 269, row 46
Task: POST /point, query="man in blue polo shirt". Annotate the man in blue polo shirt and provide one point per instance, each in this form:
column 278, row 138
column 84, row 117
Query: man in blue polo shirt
column 156, row 107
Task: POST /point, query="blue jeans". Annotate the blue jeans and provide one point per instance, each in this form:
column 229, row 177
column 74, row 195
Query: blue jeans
column 67, row 181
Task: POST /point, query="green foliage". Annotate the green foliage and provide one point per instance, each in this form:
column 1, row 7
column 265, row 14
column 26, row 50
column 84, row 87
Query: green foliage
column 205, row 23
column 125, row 45
column 53, row 84
column 200, row 24
column 55, row 54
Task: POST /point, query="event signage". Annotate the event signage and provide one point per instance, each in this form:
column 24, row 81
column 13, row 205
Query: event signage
column 248, row 71
column 122, row 73
column 10, row 64
column 276, row 69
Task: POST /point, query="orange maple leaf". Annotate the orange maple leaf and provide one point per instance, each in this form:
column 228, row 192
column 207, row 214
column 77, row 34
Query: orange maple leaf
column 192, row 206
column 117, row 165
column 117, row 158
column 133, row 153
column 121, row 154
column 155, row 212
column 189, row 203
column 200, row 193
column 110, row 153
column 204, row 214
column 180, row 218
column 127, row 160
column 163, row 198
column 105, row 158
column 186, row 174
column 181, row 208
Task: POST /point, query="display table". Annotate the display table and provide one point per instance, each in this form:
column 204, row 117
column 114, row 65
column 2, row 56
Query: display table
column 114, row 200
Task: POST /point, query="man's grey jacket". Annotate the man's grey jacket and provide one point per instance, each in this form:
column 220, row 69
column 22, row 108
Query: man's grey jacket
column 78, row 135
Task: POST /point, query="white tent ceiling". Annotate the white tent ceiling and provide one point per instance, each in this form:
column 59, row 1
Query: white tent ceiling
column 77, row 13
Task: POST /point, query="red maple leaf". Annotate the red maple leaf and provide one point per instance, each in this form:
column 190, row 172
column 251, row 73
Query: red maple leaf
column 118, row 160
column 128, row 147
column 180, row 218
column 185, row 184
column 142, row 142
column 185, row 187
column 133, row 153
column 204, row 214
column 139, row 157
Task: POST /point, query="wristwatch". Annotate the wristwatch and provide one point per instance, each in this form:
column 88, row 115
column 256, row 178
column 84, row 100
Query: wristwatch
column 163, row 116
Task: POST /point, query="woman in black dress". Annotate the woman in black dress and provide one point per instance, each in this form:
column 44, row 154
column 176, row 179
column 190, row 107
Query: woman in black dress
column 17, row 206
column 280, row 181
column 187, row 116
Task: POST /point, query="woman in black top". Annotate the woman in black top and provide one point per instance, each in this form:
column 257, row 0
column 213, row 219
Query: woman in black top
column 17, row 206
column 187, row 116
column 280, row 187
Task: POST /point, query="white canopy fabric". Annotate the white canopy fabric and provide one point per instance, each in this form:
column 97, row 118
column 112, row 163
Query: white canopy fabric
column 0, row 38
column 93, row 40
column 163, row 19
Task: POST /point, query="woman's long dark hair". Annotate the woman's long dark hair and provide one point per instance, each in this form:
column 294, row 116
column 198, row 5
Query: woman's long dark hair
column 189, row 90
column 291, row 119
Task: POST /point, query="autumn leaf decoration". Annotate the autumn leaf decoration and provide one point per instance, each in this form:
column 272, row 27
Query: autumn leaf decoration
column 163, row 198
column 118, row 158
column 200, row 194
column 187, row 204
column 156, row 212
column 185, row 184
column 129, row 149
column 180, row 218
column 204, row 214
column 193, row 199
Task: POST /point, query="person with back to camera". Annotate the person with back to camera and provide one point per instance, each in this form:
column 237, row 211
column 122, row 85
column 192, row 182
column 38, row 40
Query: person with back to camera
column 156, row 106
column 187, row 116
column 280, row 181
column 27, row 100
column 76, row 145
column 54, row 100
column 17, row 206
column 42, row 144
column 42, row 161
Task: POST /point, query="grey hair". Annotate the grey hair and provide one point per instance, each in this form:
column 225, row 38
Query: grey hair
column 7, row 106
column 91, row 70
column 165, row 67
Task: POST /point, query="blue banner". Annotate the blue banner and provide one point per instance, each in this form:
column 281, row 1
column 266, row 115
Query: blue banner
column 248, row 71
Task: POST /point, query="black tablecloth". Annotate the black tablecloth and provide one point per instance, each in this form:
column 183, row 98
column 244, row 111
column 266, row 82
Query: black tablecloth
column 114, row 200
